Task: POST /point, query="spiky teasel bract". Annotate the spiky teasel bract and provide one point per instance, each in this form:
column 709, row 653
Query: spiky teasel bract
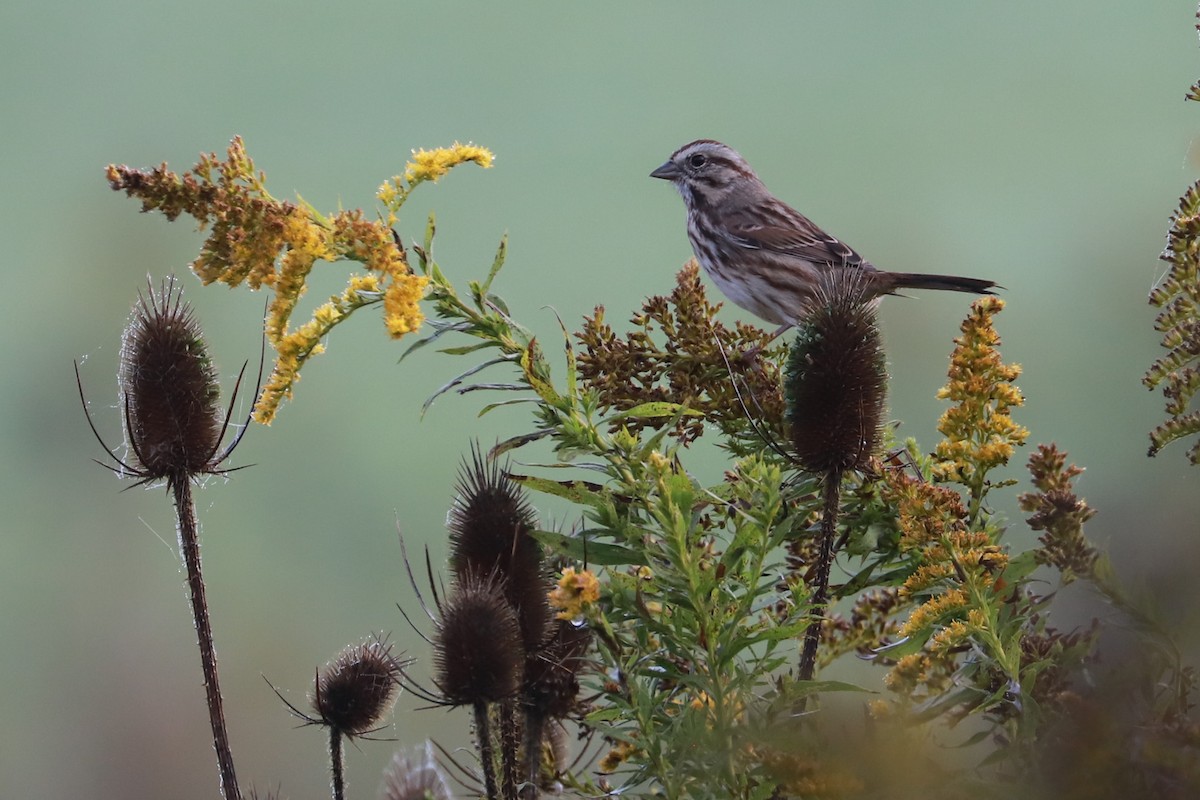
column 836, row 380
column 491, row 528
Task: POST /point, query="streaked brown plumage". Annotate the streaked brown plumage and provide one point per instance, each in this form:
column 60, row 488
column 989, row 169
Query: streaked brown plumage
column 763, row 254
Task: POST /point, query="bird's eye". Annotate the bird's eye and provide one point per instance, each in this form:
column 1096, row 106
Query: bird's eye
column 697, row 161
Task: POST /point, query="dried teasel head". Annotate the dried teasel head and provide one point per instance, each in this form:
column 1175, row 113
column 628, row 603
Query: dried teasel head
column 168, row 393
column 836, row 378
column 414, row 774
column 354, row 692
column 477, row 653
column 168, row 387
column 491, row 528
column 551, row 683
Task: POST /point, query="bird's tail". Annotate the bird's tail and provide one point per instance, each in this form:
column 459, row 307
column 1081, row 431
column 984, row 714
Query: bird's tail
column 951, row 283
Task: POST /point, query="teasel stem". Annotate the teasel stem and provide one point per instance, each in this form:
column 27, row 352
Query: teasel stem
column 487, row 755
column 510, row 739
column 535, row 726
column 337, row 764
column 832, row 496
column 189, row 546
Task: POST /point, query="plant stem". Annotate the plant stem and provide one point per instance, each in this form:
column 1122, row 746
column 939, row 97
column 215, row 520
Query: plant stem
column 487, row 757
column 535, row 725
column 508, row 748
column 832, row 495
column 337, row 761
column 189, row 546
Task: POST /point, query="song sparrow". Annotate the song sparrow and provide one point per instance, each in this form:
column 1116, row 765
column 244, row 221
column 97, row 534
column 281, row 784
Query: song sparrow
column 763, row 254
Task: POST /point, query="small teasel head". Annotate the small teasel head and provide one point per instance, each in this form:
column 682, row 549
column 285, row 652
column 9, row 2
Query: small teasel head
column 551, row 684
column 414, row 774
column 168, row 393
column 354, row 692
column 836, row 379
column 491, row 531
column 477, row 651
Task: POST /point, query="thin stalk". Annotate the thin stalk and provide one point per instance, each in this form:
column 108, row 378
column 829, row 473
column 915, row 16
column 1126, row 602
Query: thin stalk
column 832, row 496
column 337, row 764
column 189, row 546
column 487, row 755
column 509, row 740
column 535, row 725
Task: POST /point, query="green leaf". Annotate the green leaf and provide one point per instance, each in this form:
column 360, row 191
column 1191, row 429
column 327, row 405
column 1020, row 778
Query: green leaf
column 502, row 403
column 518, row 441
column 576, row 491
column 656, row 409
column 471, row 348
column 430, row 229
column 580, row 548
column 497, row 263
column 529, row 357
column 1020, row 567
column 441, row 330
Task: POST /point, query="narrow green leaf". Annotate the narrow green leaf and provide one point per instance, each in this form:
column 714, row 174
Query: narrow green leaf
column 497, row 263
column 656, row 409
column 580, row 548
column 576, row 491
column 430, row 229
column 518, row 441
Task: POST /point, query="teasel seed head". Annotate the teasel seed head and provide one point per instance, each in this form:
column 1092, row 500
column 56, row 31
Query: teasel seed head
column 551, row 682
column 354, row 692
column 168, row 389
column 414, row 774
column 477, row 654
column 836, row 378
column 491, row 528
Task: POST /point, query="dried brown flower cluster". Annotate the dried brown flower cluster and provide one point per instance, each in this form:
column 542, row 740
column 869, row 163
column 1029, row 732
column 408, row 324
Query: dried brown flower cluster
column 698, row 365
column 1059, row 513
column 1178, row 295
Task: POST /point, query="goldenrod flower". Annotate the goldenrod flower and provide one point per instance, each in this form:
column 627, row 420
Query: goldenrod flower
column 574, row 592
column 980, row 433
column 933, row 610
column 261, row 241
column 431, row 165
column 619, row 754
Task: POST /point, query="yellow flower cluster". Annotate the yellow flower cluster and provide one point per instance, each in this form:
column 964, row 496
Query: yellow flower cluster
column 574, row 592
column 618, row 755
column 934, row 610
column 956, row 574
column 261, row 241
column 430, row 165
column 389, row 280
column 803, row 775
column 980, row 433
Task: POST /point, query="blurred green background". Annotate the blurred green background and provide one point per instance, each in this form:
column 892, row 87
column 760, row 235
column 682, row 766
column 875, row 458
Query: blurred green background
column 1042, row 145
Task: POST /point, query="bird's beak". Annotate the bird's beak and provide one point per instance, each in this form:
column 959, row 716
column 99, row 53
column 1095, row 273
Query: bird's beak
column 668, row 171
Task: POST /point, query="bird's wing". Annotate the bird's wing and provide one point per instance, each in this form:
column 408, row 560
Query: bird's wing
column 797, row 237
